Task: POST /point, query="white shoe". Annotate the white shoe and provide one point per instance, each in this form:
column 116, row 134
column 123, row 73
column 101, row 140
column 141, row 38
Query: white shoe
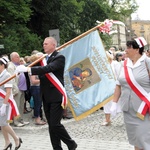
column 105, row 123
column 19, row 125
column 25, row 122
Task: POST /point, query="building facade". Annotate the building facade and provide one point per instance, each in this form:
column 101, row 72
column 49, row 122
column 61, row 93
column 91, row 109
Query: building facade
column 119, row 37
column 141, row 28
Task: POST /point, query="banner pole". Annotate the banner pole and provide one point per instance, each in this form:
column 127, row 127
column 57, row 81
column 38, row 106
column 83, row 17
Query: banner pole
column 78, row 37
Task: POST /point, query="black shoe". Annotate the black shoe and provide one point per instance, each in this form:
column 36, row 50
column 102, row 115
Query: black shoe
column 74, row 146
column 9, row 146
column 67, row 117
column 20, row 141
column 102, row 108
column 26, row 111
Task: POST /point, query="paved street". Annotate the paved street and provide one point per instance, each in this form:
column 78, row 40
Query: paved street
column 88, row 133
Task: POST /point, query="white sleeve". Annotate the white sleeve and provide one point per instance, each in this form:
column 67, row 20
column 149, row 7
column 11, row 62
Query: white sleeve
column 7, row 85
column 117, row 82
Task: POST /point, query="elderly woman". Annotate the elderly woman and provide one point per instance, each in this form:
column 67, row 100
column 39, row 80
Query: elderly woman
column 6, row 105
column 133, row 88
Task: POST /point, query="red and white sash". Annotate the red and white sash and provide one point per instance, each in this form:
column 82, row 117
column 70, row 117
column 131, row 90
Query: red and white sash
column 53, row 79
column 140, row 92
column 13, row 112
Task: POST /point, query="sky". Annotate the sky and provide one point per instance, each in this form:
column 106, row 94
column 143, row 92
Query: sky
column 143, row 11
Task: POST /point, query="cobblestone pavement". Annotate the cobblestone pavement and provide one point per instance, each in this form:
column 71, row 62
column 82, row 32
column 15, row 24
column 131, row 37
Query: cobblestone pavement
column 88, row 133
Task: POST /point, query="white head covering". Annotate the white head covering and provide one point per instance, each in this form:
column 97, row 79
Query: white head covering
column 141, row 41
column 110, row 54
column 4, row 59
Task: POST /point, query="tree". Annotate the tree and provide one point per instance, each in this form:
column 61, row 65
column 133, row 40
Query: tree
column 94, row 10
column 73, row 17
column 120, row 10
column 60, row 14
column 14, row 34
column 25, row 23
column 69, row 20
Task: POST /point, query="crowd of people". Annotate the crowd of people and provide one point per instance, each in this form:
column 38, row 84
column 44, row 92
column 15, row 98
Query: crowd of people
column 40, row 82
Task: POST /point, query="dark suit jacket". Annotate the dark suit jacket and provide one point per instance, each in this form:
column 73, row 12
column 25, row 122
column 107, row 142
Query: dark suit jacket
column 55, row 64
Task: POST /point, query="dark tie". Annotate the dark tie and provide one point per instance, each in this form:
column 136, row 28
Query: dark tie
column 47, row 58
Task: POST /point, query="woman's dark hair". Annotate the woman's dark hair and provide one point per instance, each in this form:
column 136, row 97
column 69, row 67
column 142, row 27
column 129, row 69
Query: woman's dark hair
column 118, row 55
column 1, row 63
column 4, row 61
column 134, row 45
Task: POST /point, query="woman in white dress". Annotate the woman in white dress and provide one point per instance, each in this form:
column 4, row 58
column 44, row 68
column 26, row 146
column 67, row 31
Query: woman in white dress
column 5, row 107
column 116, row 66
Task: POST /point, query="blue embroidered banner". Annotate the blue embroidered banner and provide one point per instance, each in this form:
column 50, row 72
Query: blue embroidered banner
column 89, row 80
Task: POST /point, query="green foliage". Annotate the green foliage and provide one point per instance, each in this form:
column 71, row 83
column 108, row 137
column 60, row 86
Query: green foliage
column 68, row 20
column 14, row 34
column 19, row 39
column 45, row 16
column 120, row 10
column 92, row 11
column 15, row 11
column 107, row 40
column 25, row 23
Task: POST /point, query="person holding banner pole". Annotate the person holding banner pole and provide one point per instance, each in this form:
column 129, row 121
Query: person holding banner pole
column 8, row 107
column 133, row 91
column 53, row 93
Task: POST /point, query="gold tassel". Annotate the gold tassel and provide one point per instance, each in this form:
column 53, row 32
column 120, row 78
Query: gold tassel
column 140, row 116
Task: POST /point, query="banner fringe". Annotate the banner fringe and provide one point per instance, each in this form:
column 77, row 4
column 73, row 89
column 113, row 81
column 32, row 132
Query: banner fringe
column 80, row 117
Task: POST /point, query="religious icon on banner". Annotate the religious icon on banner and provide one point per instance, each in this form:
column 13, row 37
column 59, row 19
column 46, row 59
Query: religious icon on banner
column 83, row 75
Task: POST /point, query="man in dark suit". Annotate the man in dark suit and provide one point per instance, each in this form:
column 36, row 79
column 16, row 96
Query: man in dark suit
column 51, row 96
